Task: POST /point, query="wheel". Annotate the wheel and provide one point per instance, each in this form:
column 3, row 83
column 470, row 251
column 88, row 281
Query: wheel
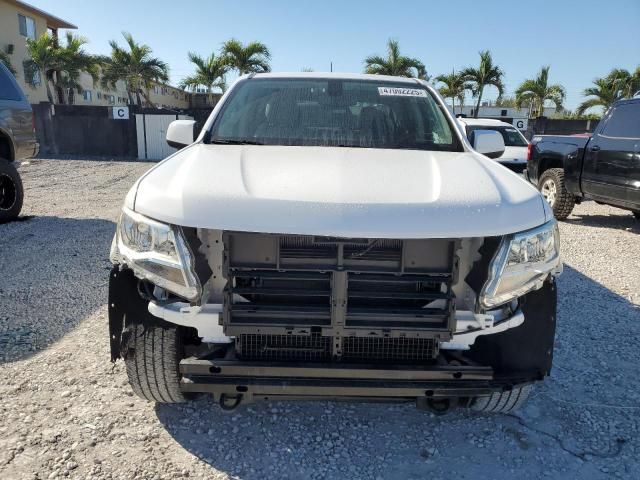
column 503, row 402
column 11, row 192
column 553, row 189
column 636, row 214
column 152, row 358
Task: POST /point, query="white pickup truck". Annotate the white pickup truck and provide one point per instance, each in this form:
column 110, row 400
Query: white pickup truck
column 516, row 148
column 332, row 235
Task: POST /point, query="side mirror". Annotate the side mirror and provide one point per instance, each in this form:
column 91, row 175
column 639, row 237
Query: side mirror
column 488, row 142
column 180, row 133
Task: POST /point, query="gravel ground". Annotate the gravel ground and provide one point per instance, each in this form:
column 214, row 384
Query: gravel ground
column 65, row 411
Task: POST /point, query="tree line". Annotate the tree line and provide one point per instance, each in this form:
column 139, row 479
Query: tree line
column 533, row 93
column 60, row 66
column 134, row 64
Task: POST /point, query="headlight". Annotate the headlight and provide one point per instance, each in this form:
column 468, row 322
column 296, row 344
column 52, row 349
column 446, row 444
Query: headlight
column 522, row 263
column 156, row 252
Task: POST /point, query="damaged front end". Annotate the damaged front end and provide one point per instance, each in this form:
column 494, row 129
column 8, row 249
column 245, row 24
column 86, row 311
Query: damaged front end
column 299, row 316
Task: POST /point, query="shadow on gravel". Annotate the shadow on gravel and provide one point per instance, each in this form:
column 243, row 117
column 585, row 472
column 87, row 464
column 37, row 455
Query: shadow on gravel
column 564, row 421
column 624, row 221
column 54, row 274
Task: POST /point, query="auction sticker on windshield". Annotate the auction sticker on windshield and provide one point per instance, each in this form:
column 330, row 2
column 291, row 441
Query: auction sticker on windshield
column 402, row 92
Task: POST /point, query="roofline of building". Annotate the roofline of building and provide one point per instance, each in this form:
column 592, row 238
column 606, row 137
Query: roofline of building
column 52, row 20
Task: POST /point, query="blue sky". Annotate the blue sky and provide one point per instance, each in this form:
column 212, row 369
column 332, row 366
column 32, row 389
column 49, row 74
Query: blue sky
column 580, row 40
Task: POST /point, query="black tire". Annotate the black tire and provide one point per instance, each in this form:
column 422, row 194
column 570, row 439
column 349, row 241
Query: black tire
column 11, row 192
column 502, row 402
column 552, row 187
column 152, row 358
column 637, row 214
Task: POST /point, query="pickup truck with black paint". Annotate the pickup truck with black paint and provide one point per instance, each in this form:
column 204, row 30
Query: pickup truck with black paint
column 604, row 167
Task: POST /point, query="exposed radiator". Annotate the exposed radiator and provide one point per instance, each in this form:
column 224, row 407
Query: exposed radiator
column 370, row 298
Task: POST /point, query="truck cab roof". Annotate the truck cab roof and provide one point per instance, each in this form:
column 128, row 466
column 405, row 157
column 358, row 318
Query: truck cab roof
column 483, row 122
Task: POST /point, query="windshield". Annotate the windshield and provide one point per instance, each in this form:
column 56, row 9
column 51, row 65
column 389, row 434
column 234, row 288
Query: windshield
column 334, row 113
column 512, row 137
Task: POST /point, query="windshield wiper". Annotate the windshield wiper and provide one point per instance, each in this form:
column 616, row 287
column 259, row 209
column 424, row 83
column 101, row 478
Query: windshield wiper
column 235, row 142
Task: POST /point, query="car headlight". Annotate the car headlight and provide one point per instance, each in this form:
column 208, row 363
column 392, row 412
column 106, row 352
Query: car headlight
column 522, row 263
column 156, row 252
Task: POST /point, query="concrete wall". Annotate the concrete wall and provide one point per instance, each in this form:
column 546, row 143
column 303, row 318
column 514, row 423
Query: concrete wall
column 10, row 35
column 495, row 112
column 550, row 126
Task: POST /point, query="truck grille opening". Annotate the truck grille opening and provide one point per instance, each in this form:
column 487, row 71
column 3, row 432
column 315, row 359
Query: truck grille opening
column 316, row 348
column 389, row 349
column 363, row 299
column 283, row 347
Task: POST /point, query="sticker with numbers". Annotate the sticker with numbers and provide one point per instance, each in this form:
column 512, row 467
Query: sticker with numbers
column 402, row 92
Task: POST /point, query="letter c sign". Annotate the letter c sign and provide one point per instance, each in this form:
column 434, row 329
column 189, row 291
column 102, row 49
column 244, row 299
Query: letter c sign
column 120, row 113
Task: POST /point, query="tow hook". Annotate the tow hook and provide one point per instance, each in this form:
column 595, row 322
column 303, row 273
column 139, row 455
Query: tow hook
column 437, row 406
column 229, row 403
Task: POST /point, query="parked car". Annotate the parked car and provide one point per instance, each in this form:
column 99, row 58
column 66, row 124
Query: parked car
column 604, row 167
column 515, row 153
column 333, row 235
column 17, row 141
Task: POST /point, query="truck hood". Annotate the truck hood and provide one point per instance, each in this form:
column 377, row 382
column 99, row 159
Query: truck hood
column 513, row 155
column 344, row 192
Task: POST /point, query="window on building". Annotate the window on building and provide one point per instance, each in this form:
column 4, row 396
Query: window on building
column 99, row 95
column 27, row 26
column 31, row 73
column 111, row 99
column 87, row 95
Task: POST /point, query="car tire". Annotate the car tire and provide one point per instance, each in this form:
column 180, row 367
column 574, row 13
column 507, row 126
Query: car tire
column 152, row 358
column 11, row 192
column 553, row 189
column 502, row 402
column 636, row 214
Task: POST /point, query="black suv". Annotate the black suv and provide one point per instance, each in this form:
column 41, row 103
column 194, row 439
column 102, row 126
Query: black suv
column 17, row 140
column 604, row 167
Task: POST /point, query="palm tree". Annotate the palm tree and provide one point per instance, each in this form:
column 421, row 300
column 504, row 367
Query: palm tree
column 251, row 58
column 210, row 73
column 486, row 74
column 44, row 56
column 422, row 73
column 72, row 61
column 4, row 59
column 394, row 63
column 454, row 88
column 136, row 67
column 604, row 94
column 537, row 90
column 627, row 83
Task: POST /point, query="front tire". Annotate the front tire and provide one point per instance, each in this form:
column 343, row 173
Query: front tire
column 11, row 192
column 502, row 402
column 152, row 358
column 553, row 189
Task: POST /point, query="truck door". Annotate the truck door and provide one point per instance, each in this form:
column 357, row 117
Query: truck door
column 611, row 169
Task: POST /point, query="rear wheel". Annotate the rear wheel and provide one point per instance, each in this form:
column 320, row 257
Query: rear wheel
column 553, row 189
column 502, row 402
column 152, row 357
column 11, row 193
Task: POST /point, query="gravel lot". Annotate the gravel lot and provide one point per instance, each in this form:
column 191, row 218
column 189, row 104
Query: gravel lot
column 65, row 411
